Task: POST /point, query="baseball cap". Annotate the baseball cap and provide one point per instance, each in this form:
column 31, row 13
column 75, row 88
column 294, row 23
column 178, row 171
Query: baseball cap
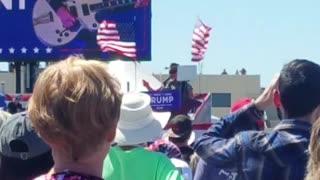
column 19, row 141
column 243, row 102
column 180, row 126
column 240, row 103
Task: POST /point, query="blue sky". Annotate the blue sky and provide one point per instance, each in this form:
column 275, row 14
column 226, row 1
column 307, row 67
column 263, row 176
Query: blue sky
column 259, row 36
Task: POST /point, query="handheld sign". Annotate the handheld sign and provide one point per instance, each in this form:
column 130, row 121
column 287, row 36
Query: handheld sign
column 186, row 72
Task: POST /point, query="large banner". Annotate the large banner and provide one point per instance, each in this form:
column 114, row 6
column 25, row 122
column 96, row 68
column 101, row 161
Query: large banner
column 165, row 100
column 43, row 30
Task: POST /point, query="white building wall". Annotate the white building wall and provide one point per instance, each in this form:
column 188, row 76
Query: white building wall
column 9, row 79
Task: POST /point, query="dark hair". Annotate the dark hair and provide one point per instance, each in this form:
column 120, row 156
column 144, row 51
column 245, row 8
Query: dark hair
column 16, row 169
column 173, row 65
column 173, row 68
column 299, row 87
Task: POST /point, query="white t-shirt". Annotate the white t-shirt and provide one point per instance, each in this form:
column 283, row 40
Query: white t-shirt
column 183, row 167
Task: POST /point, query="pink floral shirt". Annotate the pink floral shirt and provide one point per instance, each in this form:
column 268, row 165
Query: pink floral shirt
column 68, row 175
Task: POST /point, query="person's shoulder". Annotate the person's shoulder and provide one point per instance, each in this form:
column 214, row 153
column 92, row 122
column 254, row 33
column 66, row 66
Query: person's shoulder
column 179, row 163
column 183, row 167
column 154, row 154
column 138, row 151
column 248, row 138
column 189, row 85
column 157, row 156
column 3, row 116
column 263, row 141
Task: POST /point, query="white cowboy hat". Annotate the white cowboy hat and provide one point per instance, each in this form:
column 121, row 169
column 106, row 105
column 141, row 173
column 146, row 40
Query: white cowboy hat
column 138, row 123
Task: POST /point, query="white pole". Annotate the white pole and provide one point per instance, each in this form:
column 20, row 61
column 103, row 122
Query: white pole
column 200, row 74
column 160, row 77
column 135, row 76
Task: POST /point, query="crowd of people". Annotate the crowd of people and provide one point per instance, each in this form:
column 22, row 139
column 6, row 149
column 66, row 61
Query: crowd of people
column 79, row 126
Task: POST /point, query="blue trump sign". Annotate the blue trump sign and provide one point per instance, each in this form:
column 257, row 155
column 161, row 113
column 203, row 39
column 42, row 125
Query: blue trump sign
column 41, row 30
column 165, row 100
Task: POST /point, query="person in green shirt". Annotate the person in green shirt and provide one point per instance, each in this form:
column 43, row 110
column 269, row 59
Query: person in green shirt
column 130, row 159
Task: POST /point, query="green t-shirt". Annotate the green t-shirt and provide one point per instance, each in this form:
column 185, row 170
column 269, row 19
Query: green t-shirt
column 138, row 164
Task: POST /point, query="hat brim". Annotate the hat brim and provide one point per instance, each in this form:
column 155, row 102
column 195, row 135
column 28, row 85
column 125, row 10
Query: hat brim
column 169, row 133
column 150, row 132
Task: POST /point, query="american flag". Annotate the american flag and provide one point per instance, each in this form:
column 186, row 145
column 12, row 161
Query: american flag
column 117, row 38
column 200, row 39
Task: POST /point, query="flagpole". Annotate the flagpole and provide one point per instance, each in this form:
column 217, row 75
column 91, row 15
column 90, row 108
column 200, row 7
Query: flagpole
column 200, row 74
column 135, row 76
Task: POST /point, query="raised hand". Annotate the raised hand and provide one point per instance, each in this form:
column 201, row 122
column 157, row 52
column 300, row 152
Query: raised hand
column 266, row 98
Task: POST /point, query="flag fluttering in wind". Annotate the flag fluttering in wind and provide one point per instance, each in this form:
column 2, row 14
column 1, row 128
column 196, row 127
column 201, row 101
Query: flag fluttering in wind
column 110, row 38
column 200, row 39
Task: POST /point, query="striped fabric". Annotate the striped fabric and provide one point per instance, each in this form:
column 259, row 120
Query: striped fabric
column 110, row 38
column 200, row 39
column 281, row 153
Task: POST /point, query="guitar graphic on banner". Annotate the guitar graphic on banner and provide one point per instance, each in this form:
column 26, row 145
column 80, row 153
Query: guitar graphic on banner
column 49, row 28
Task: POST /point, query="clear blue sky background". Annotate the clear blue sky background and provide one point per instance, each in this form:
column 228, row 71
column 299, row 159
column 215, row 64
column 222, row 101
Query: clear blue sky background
column 258, row 35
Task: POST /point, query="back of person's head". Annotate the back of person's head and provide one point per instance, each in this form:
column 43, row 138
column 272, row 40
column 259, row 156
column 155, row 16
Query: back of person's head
column 75, row 107
column 313, row 169
column 299, row 88
column 180, row 129
column 24, row 155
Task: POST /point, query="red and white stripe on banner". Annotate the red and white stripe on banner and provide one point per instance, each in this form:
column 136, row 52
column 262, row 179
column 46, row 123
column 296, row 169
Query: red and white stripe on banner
column 23, row 98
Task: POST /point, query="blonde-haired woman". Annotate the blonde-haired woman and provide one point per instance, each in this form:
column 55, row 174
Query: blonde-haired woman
column 313, row 169
column 75, row 108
